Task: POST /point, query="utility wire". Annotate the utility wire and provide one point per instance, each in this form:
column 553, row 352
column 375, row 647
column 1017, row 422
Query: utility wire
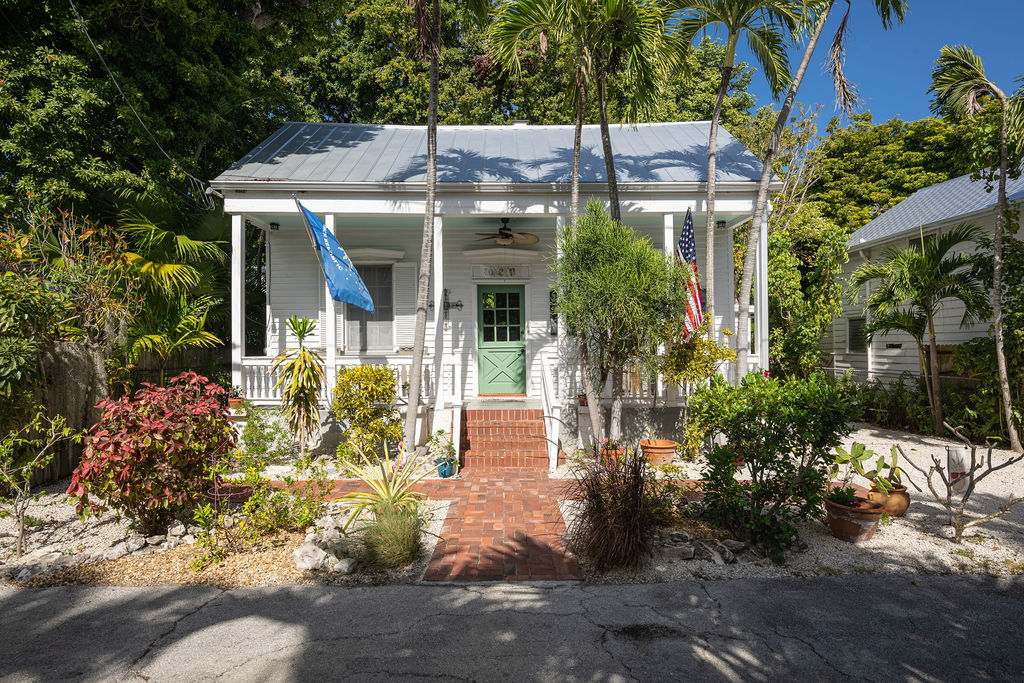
column 198, row 189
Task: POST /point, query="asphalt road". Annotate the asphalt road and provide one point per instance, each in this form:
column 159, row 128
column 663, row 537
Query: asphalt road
column 861, row 627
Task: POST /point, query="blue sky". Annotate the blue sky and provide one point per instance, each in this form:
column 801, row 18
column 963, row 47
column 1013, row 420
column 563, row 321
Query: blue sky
column 892, row 69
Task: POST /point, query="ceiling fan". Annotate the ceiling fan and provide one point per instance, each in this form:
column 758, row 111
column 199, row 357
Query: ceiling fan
column 506, row 236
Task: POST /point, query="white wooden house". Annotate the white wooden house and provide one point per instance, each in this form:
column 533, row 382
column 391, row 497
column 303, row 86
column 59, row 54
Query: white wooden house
column 490, row 335
column 927, row 212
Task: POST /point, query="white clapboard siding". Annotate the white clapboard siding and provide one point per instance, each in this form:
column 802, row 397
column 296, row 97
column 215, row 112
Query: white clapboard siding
column 297, row 286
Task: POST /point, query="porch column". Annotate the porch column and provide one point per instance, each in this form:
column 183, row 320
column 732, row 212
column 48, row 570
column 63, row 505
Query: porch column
column 761, row 306
column 669, row 245
column 560, row 339
column 331, row 323
column 237, row 298
column 437, row 277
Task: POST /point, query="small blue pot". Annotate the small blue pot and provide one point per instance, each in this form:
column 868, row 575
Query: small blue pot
column 445, row 469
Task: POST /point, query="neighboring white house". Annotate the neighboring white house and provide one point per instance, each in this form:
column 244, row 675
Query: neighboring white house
column 491, row 335
column 928, row 211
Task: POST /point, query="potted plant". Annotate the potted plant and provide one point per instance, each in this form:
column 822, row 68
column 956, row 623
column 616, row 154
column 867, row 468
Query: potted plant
column 611, row 449
column 442, row 451
column 659, row 451
column 236, row 396
column 889, row 490
column 850, row 517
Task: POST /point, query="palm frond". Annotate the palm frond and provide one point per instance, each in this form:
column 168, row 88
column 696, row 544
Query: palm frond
column 959, row 84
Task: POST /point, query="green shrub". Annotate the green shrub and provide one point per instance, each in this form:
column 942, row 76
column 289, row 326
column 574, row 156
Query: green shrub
column 148, row 457
column 392, row 539
column 264, row 438
column 784, row 432
column 365, row 401
column 619, row 509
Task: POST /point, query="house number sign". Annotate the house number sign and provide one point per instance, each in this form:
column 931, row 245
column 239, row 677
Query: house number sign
column 503, row 272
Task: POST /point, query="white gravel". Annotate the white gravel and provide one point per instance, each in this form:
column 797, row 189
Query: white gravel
column 917, row 543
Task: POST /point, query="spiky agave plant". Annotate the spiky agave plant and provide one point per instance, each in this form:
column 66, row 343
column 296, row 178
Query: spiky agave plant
column 302, row 378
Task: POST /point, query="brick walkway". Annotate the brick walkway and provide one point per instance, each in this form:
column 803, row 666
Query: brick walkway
column 500, row 526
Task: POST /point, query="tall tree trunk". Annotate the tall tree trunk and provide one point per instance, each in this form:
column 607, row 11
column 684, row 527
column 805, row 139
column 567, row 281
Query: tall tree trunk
column 615, row 420
column 426, row 253
column 709, row 259
column 933, row 347
column 593, row 399
column 927, row 379
column 577, row 144
column 606, row 144
column 997, row 287
column 760, row 206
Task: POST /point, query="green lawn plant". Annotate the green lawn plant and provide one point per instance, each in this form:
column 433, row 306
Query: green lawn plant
column 783, row 432
column 366, row 403
column 390, row 482
column 23, row 452
column 301, row 379
column 392, row 539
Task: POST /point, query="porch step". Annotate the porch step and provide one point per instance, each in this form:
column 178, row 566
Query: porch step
column 503, row 438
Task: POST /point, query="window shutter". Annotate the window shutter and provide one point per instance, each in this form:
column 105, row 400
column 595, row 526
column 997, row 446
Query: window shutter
column 404, row 292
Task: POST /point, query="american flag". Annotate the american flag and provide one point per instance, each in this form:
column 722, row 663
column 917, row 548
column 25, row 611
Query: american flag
column 686, row 252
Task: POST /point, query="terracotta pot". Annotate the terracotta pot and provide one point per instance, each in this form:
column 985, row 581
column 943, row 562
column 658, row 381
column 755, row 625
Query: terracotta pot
column 235, row 403
column 583, row 400
column 658, row 451
column 895, row 503
column 230, row 492
column 854, row 524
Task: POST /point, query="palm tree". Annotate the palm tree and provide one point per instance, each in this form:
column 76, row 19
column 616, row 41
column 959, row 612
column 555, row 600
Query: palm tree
column 427, row 20
column 622, row 37
column 168, row 329
column 846, row 96
column 960, row 88
column 760, row 22
column 913, row 284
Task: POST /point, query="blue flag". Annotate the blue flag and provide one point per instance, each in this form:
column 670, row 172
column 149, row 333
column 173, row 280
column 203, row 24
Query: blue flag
column 343, row 282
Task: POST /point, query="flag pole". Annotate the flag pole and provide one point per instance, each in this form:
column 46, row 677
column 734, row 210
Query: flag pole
column 309, row 228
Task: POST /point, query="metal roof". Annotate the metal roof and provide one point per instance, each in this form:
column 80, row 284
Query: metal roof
column 365, row 153
column 939, row 203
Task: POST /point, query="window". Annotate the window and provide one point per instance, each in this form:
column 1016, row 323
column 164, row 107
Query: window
column 366, row 332
column 922, row 243
column 857, row 337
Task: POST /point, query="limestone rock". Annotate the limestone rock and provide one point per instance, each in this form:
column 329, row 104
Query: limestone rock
column 177, row 529
column 326, row 538
column 680, row 537
column 155, row 540
column 172, row 542
column 734, row 546
column 309, row 556
column 707, row 551
column 682, row 551
column 118, row 551
column 135, row 542
column 345, row 565
column 727, row 555
column 188, row 539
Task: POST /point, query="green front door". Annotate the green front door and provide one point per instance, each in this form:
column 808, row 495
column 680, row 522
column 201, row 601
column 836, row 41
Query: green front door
column 501, row 342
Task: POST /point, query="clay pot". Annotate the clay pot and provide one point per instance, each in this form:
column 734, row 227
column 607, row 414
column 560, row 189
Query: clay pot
column 658, row 451
column 895, row 503
column 235, row 403
column 854, row 524
column 230, row 492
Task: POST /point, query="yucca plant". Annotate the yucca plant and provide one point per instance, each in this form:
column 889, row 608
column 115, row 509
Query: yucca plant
column 390, row 482
column 302, row 378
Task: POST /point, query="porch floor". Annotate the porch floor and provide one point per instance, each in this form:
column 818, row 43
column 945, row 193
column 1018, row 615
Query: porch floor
column 501, row 526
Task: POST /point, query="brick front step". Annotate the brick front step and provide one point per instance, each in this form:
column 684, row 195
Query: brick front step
column 503, row 439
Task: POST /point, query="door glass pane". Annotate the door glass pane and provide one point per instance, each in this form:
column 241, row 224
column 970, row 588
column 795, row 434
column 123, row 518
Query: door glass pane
column 488, row 334
column 513, row 300
column 502, row 318
column 488, row 301
column 513, row 334
column 502, row 334
column 488, row 317
column 513, row 317
column 501, row 300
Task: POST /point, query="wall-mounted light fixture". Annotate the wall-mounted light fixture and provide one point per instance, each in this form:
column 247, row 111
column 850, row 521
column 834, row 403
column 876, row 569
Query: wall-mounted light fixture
column 720, row 225
column 275, row 226
column 446, row 304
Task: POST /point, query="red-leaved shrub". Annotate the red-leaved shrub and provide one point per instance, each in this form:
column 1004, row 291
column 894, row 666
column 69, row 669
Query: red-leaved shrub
column 148, row 456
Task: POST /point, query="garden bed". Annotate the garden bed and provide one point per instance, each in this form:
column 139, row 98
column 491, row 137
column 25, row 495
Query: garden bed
column 917, row 543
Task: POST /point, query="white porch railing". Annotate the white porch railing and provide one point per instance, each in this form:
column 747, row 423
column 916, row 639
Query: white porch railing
column 551, row 407
column 259, row 377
